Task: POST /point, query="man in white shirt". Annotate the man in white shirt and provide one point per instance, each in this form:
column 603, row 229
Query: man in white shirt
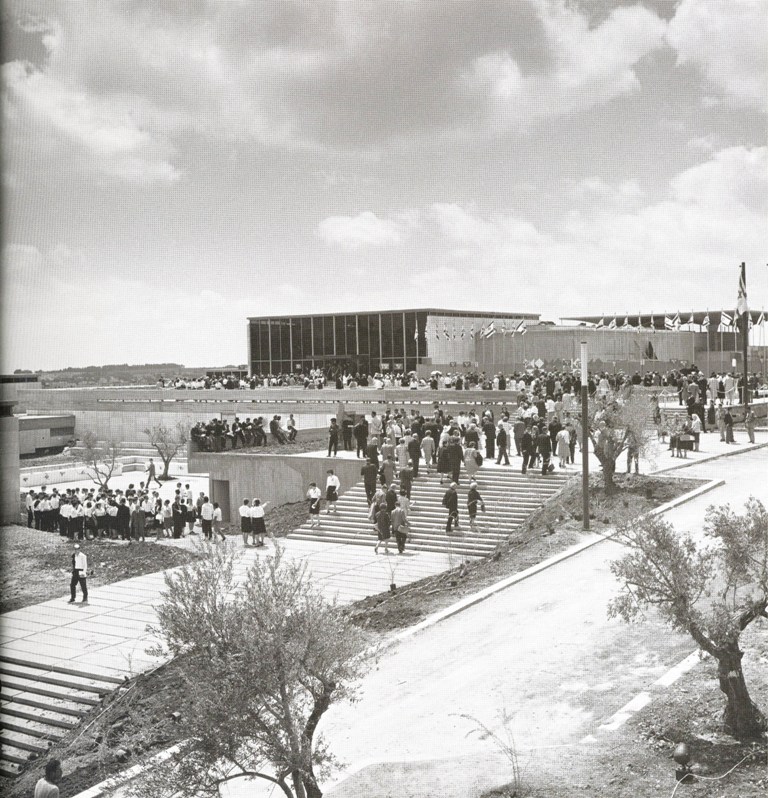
column 79, row 574
column 206, row 517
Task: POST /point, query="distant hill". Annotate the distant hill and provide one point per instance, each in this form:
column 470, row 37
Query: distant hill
column 120, row 374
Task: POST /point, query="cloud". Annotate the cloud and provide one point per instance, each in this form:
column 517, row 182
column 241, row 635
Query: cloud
column 365, row 229
column 726, row 40
column 112, row 132
column 591, row 65
column 128, row 81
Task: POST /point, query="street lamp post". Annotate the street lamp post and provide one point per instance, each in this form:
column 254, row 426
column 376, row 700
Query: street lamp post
column 584, row 437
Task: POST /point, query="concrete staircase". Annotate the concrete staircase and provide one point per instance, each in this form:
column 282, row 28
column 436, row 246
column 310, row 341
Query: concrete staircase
column 39, row 703
column 509, row 496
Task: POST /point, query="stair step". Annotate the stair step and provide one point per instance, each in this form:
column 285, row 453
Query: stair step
column 8, row 670
column 106, row 678
column 30, row 728
column 55, row 705
column 46, row 716
column 21, row 742
column 75, row 696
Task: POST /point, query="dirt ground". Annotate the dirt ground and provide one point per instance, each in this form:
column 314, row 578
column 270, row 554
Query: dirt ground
column 36, row 566
column 632, row 763
column 636, row 760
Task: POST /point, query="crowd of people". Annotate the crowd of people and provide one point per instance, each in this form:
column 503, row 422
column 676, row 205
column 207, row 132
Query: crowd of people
column 670, row 380
column 217, row 435
column 129, row 515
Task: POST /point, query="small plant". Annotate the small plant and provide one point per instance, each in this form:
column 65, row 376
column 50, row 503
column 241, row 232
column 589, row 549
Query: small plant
column 504, row 740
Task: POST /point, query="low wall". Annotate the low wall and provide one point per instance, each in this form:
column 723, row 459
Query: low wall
column 276, row 479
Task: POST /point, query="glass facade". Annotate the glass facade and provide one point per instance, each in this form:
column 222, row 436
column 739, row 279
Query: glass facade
column 358, row 343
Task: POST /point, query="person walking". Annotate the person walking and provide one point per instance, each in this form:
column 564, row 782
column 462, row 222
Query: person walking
column 360, row 431
column 245, row 520
column 406, row 479
column 414, row 453
column 502, row 443
column 451, row 504
column 217, row 517
column 474, row 500
column 728, row 422
column 428, row 450
column 369, row 472
column 455, row 456
column 471, row 458
column 399, row 523
column 489, row 431
column 206, row 518
column 79, row 574
column 544, row 446
column 528, row 449
column 563, row 442
column 333, row 438
column 749, row 424
column 258, row 528
column 332, row 486
column 383, row 529
column 152, row 474
column 314, row 496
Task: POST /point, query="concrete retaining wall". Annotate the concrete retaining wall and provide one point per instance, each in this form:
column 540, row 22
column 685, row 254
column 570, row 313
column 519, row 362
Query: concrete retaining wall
column 276, row 479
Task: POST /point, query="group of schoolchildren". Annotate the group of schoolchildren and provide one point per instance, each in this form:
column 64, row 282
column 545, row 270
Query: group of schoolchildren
column 84, row 513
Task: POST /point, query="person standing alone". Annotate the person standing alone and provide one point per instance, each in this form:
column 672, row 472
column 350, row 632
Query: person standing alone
column 79, row 574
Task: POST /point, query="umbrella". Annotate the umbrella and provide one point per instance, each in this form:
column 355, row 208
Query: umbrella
column 436, row 374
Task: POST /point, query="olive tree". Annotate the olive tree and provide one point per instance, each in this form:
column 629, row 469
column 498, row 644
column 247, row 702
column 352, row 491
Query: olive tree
column 263, row 661
column 711, row 590
column 616, row 424
column 100, row 461
column 168, row 442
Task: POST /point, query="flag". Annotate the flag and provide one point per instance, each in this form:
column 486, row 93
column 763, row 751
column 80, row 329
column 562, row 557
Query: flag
column 489, row 331
column 416, row 333
column 741, row 304
column 626, row 325
column 676, row 320
column 669, row 323
column 437, row 334
column 653, row 324
column 725, row 321
column 445, row 331
column 524, row 329
column 472, row 330
column 463, row 331
column 639, row 322
column 612, row 324
column 761, row 318
column 504, row 328
column 690, row 321
column 454, row 332
column 600, row 324
column 705, row 322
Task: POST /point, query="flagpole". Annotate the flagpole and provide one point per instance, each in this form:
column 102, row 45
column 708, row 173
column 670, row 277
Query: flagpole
column 709, row 370
column 720, row 369
column 744, row 331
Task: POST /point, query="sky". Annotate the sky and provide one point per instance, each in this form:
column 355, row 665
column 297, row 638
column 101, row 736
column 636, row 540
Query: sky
column 172, row 168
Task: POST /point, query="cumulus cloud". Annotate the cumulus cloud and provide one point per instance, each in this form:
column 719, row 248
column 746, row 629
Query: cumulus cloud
column 726, row 40
column 365, row 229
column 591, row 65
column 127, row 81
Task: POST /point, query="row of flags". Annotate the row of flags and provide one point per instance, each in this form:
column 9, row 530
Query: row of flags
column 728, row 322
column 484, row 331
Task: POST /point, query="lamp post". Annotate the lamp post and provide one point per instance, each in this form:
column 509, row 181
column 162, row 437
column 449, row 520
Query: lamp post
column 584, row 437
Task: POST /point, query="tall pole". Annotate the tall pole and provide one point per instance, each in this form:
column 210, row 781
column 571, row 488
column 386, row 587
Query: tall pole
column 744, row 330
column 584, row 438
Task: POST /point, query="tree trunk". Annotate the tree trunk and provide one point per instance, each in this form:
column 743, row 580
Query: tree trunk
column 166, row 466
column 742, row 718
column 609, row 469
column 310, row 785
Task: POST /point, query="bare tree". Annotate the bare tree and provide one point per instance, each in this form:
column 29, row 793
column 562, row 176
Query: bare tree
column 263, row 661
column 616, row 424
column 100, row 461
column 712, row 591
column 168, row 441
